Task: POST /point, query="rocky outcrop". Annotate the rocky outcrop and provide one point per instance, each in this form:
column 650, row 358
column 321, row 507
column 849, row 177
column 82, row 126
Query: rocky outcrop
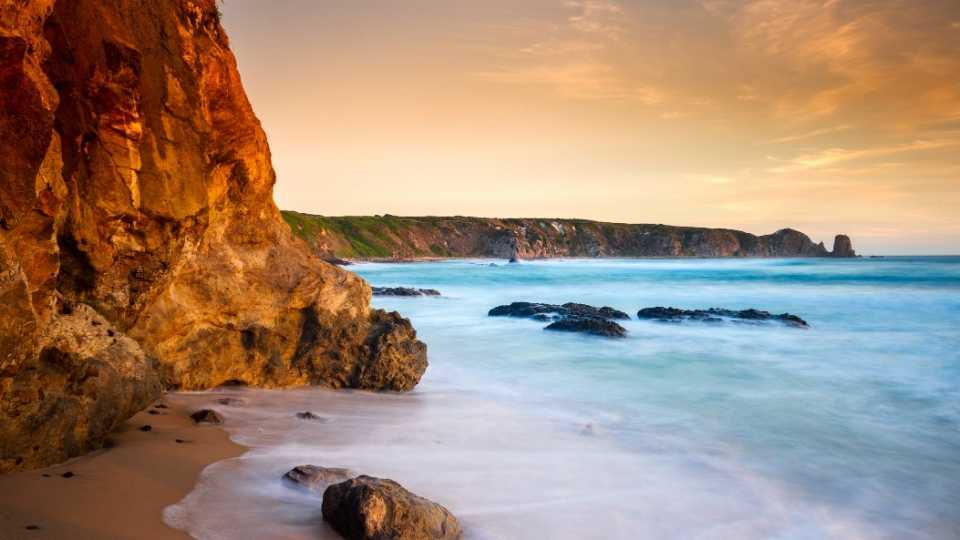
column 367, row 508
column 136, row 191
column 716, row 315
column 404, row 291
column 843, row 247
column 392, row 237
column 569, row 317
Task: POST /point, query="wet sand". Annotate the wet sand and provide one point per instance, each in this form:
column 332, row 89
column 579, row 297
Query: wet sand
column 119, row 492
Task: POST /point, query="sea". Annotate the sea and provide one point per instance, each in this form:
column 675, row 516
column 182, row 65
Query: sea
column 848, row 429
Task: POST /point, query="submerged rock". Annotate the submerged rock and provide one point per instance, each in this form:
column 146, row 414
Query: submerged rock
column 206, row 416
column 404, row 291
column 569, row 317
column 586, row 325
column 367, row 508
column 540, row 312
column 316, row 479
column 307, row 415
column 671, row 314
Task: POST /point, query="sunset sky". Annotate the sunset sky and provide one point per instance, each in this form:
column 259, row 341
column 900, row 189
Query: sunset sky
column 826, row 116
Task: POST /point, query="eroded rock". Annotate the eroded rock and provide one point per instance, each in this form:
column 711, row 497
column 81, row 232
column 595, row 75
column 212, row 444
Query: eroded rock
column 367, row 508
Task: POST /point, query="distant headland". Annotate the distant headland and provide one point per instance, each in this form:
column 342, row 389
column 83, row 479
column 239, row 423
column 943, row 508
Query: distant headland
column 409, row 238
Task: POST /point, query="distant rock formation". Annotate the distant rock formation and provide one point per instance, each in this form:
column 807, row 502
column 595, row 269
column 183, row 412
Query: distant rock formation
column 140, row 246
column 843, row 247
column 391, row 237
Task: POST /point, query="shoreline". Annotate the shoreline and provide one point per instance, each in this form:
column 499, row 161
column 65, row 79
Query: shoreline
column 389, row 260
column 118, row 492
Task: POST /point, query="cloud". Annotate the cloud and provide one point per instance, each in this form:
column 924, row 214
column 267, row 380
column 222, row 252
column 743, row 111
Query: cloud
column 582, row 81
column 832, row 56
column 572, row 58
column 811, row 134
column 834, row 156
column 710, row 178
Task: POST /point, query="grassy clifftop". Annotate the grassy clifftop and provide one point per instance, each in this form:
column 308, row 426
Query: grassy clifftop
column 393, row 237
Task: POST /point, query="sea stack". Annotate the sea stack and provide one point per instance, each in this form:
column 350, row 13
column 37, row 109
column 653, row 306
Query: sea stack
column 843, row 247
column 140, row 247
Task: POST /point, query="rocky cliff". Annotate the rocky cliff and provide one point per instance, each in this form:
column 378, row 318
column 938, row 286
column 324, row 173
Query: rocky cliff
column 140, row 247
column 394, row 237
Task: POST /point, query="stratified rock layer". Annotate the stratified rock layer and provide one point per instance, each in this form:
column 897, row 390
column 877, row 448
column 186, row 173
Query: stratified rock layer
column 136, row 191
column 392, row 237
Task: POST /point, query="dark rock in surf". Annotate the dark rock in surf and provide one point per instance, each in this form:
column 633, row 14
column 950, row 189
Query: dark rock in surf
column 367, row 508
column 307, row 415
column 569, row 317
column 541, row 312
column 404, row 291
column 588, row 325
column 206, row 416
column 714, row 315
column 316, row 479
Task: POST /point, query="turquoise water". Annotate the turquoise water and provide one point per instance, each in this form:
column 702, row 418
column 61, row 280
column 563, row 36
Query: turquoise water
column 848, row 429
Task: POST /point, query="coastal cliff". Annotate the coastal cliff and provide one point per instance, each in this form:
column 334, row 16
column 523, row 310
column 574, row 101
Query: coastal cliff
column 140, row 247
column 391, row 237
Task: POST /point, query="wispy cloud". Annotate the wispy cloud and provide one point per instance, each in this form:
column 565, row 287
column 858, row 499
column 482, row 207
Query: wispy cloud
column 710, row 178
column 572, row 57
column 833, row 156
column 811, row 134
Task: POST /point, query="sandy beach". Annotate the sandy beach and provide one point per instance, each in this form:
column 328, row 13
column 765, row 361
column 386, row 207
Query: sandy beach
column 119, row 492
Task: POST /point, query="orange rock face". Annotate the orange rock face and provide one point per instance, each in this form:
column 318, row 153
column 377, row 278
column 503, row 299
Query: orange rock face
column 136, row 198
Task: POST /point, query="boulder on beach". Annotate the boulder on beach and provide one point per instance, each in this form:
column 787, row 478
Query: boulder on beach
column 404, row 291
column 316, row 479
column 367, row 508
column 714, row 315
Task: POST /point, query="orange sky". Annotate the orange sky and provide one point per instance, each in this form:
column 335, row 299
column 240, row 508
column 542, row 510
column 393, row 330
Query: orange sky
column 826, row 116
